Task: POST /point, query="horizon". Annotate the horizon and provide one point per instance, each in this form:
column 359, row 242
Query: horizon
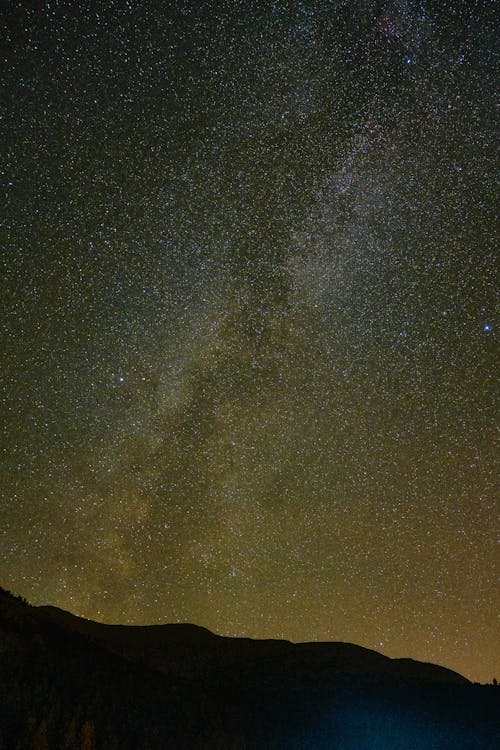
column 244, row 636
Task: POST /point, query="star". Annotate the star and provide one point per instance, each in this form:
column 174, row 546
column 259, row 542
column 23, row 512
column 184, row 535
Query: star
column 231, row 241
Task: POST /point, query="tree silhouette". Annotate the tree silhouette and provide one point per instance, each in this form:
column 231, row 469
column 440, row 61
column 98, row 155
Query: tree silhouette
column 87, row 736
column 69, row 740
column 40, row 741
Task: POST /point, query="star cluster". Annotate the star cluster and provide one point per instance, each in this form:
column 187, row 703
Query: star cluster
column 248, row 293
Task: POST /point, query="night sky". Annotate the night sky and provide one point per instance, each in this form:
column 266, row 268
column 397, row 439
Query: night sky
column 248, row 318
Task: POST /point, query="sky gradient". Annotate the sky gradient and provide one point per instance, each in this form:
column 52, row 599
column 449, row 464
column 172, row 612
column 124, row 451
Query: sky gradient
column 249, row 319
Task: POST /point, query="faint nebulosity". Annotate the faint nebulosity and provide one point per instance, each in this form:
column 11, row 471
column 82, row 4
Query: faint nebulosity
column 248, row 294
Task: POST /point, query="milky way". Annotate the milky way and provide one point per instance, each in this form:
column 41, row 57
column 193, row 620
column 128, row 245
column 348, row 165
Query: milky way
column 248, row 283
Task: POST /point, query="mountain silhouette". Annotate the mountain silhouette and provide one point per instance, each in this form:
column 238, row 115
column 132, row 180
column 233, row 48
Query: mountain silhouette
column 73, row 684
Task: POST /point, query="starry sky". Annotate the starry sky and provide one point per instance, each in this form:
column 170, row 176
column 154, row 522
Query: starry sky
column 248, row 318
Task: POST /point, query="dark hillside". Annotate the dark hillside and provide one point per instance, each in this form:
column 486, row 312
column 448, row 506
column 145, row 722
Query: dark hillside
column 72, row 684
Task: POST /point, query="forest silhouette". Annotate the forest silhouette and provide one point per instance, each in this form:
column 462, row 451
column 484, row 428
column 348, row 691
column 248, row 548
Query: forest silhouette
column 71, row 684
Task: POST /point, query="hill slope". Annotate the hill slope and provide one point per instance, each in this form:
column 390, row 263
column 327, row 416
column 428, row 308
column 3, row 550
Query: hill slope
column 74, row 684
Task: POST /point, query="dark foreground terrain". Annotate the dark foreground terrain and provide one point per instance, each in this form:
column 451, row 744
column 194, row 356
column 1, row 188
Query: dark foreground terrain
column 72, row 684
